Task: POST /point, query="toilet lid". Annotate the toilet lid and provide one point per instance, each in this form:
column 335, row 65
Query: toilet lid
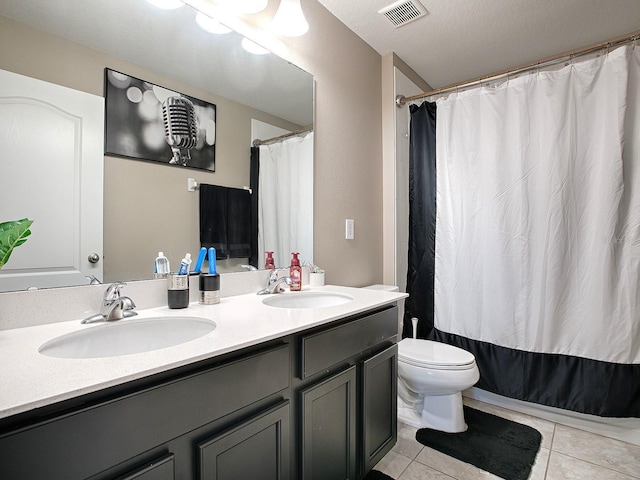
column 433, row 354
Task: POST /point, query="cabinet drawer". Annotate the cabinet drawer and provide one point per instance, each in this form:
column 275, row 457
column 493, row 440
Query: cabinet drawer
column 111, row 432
column 329, row 347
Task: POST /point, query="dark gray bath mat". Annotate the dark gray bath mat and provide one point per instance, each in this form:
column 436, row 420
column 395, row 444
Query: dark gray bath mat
column 499, row 446
column 376, row 475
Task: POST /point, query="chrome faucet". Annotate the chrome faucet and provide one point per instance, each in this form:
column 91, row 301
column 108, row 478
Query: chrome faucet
column 93, row 280
column 274, row 282
column 114, row 306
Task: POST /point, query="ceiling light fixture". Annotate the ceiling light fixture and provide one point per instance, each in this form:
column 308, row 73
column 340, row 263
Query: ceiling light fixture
column 211, row 25
column 245, row 6
column 289, row 19
column 253, row 47
column 166, row 4
column 252, row 6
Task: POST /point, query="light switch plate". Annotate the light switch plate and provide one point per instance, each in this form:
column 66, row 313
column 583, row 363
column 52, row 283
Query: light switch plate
column 349, row 229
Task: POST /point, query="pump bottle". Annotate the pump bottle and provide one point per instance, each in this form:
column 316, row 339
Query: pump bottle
column 269, row 263
column 295, row 273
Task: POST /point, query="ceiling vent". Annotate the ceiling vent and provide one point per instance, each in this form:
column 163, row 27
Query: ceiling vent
column 403, row 12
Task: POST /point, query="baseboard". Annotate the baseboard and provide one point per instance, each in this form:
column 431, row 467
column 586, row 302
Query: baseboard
column 624, row 429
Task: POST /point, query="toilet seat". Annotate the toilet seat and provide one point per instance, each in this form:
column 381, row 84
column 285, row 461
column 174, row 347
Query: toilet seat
column 434, row 355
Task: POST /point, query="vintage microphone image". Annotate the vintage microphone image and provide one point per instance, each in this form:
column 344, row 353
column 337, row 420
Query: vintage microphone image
column 152, row 123
column 180, row 128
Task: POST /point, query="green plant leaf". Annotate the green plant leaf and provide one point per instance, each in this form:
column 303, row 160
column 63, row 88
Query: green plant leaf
column 12, row 235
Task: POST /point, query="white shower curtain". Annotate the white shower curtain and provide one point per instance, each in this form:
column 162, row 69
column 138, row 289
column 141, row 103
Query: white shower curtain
column 538, row 211
column 285, row 205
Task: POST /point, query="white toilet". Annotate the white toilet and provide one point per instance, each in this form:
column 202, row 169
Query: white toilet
column 431, row 378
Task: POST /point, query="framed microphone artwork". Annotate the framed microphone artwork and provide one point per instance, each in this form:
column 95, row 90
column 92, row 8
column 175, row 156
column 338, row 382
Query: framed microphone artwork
column 148, row 122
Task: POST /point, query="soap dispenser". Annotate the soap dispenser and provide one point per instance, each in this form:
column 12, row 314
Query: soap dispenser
column 269, row 263
column 295, row 273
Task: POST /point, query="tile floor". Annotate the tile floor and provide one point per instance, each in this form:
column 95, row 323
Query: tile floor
column 565, row 454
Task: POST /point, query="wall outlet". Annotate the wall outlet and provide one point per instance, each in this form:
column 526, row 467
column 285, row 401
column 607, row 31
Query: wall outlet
column 349, row 233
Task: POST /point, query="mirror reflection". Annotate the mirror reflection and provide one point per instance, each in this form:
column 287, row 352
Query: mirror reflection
column 147, row 207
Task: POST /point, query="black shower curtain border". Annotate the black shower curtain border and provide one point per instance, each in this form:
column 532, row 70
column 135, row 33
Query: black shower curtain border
column 554, row 380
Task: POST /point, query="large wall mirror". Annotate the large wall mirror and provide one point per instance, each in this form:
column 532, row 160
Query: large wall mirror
column 147, row 207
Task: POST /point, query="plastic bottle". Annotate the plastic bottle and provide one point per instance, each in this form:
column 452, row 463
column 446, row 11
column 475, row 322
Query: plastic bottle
column 161, row 266
column 184, row 265
column 269, row 263
column 295, row 273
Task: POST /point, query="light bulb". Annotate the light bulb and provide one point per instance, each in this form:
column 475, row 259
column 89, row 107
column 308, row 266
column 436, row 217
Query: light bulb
column 253, row 47
column 289, row 19
column 166, row 4
column 252, row 6
column 246, row 6
column 211, row 25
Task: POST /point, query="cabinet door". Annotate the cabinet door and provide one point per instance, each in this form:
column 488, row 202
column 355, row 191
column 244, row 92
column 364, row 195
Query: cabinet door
column 379, row 405
column 255, row 450
column 329, row 428
column 162, row 469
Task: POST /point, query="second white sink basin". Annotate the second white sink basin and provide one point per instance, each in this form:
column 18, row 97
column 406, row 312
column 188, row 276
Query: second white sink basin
column 125, row 337
column 307, row 300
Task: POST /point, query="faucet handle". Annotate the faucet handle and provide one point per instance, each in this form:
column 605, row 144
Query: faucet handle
column 275, row 273
column 113, row 291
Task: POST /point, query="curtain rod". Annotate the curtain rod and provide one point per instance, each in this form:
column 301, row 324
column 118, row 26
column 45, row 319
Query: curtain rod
column 401, row 100
column 257, row 142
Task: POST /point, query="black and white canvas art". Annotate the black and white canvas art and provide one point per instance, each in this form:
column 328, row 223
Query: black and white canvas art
column 148, row 122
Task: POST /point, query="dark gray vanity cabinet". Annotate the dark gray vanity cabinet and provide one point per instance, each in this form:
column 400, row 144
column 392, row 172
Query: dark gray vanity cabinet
column 348, row 387
column 316, row 405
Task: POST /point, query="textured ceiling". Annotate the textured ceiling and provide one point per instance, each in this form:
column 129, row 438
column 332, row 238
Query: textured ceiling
column 465, row 39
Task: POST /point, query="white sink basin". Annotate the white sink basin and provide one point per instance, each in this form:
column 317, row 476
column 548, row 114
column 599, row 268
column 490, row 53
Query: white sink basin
column 307, row 300
column 125, row 337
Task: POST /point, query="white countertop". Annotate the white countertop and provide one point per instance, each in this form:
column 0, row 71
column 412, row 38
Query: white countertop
column 30, row 380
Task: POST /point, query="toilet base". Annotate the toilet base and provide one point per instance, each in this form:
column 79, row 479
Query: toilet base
column 442, row 412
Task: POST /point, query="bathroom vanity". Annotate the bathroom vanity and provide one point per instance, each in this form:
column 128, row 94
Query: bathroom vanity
column 271, row 393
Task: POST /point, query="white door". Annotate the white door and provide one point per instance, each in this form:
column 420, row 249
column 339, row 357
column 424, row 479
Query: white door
column 51, row 171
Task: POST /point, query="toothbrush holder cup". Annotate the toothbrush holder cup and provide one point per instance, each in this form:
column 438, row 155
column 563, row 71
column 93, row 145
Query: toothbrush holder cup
column 177, row 290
